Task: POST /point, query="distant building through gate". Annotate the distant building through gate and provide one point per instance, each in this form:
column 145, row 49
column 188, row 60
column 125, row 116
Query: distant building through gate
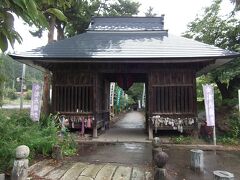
column 126, row 50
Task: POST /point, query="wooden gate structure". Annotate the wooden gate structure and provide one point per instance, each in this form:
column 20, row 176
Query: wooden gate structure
column 83, row 66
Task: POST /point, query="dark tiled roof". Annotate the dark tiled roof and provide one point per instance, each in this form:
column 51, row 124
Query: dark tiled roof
column 112, row 45
column 126, row 38
column 127, row 23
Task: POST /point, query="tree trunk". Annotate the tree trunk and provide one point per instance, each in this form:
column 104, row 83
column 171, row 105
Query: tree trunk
column 60, row 30
column 223, row 89
column 52, row 23
column 46, row 96
column 233, row 86
column 46, row 86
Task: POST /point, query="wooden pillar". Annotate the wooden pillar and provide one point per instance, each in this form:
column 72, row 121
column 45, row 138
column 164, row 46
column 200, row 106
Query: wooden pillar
column 150, row 106
column 95, row 128
column 146, row 106
column 96, row 104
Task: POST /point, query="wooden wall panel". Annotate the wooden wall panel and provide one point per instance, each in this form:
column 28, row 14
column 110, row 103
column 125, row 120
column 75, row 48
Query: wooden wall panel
column 73, row 98
column 72, row 92
column 173, row 92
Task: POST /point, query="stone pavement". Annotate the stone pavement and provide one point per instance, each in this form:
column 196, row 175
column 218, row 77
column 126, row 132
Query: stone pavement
column 130, row 128
column 49, row 169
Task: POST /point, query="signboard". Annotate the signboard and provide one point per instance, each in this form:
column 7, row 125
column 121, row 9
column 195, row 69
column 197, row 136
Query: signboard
column 208, row 93
column 112, row 89
column 143, row 96
column 36, row 101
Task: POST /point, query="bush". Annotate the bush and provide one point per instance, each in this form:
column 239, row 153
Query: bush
column 11, row 93
column 230, row 102
column 232, row 137
column 28, row 95
column 227, row 140
column 17, row 129
column 235, row 125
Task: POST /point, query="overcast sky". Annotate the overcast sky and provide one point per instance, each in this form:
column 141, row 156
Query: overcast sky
column 178, row 13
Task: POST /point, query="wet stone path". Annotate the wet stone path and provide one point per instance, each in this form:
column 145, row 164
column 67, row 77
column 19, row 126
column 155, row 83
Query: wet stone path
column 130, row 128
column 49, row 169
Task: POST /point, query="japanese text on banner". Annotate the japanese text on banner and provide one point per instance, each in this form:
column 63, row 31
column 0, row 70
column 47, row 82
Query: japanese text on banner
column 36, row 101
column 208, row 93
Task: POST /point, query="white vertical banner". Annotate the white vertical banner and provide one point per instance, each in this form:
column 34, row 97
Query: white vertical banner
column 239, row 100
column 112, row 89
column 208, row 93
column 36, row 101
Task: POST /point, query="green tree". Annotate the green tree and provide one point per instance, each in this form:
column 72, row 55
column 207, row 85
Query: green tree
column 237, row 4
column 224, row 33
column 80, row 13
column 38, row 13
column 79, row 16
column 30, row 11
column 135, row 92
column 150, row 12
column 121, row 8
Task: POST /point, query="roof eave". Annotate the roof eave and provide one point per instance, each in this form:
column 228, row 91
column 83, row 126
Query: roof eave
column 122, row 59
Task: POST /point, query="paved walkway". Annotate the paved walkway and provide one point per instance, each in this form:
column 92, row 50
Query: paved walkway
column 48, row 169
column 131, row 128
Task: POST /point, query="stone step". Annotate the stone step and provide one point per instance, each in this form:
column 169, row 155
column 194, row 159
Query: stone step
column 74, row 172
column 137, row 174
column 84, row 178
column 123, row 173
column 92, row 170
column 45, row 170
column 84, row 171
column 57, row 173
column 106, row 172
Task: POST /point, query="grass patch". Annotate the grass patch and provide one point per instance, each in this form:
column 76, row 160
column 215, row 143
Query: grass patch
column 182, row 139
column 16, row 128
column 225, row 140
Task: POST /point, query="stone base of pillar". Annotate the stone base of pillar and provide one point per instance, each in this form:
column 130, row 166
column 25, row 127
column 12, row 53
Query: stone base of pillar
column 160, row 174
column 95, row 133
column 223, row 175
column 2, row 176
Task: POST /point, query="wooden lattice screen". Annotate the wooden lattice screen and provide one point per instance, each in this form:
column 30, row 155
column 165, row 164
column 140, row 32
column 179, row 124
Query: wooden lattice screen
column 73, row 98
column 173, row 92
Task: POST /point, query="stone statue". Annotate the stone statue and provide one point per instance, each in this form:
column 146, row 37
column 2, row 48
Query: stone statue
column 20, row 166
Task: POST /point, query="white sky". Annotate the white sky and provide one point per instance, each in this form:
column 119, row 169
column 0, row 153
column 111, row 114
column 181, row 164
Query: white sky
column 178, row 13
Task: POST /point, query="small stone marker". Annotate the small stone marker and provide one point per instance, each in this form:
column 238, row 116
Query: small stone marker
column 197, row 160
column 57, row 153
column 20, row 166
column 160, row 159
column 155, row 151
column 2, row 176
column 156, row 142
column 223, row 175
column 160, row 174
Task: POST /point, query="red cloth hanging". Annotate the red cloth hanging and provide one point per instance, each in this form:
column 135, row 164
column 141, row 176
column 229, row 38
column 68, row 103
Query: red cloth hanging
column 125, row 81
column 89, row 122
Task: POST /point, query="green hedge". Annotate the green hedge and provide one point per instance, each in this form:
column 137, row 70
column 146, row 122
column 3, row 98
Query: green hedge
column 17, row 128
